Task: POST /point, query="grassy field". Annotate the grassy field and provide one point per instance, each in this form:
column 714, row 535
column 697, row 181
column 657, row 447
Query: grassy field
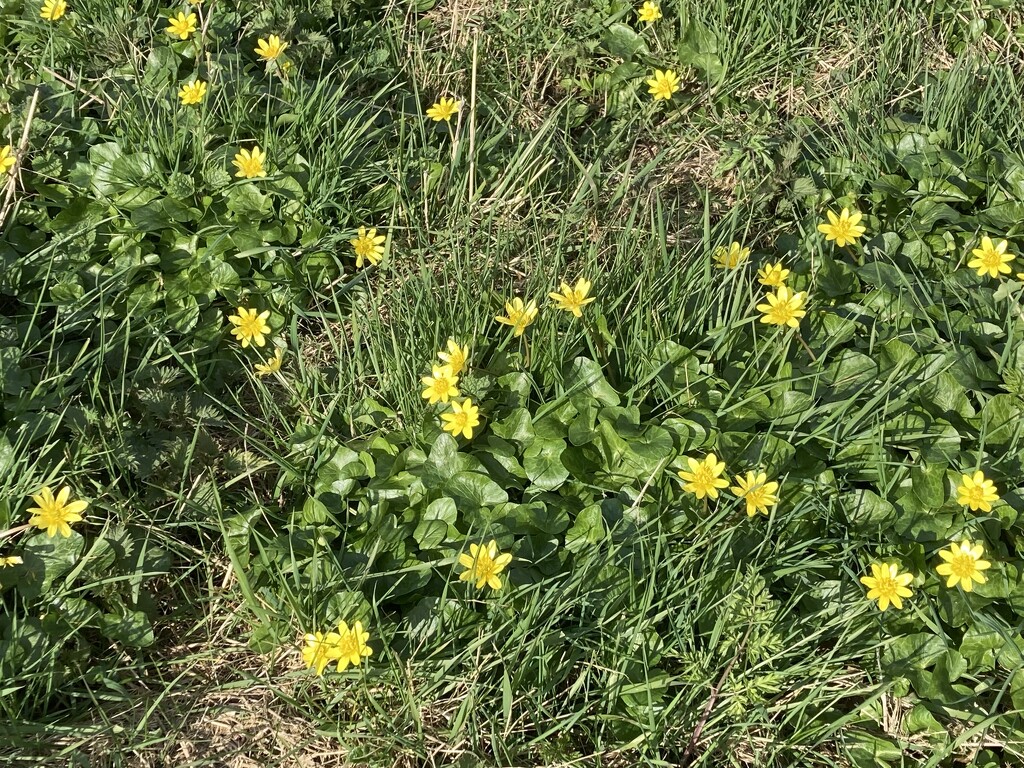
column 234, row 512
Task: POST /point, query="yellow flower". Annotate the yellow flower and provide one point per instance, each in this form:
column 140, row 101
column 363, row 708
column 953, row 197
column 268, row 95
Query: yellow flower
column 462, row 419
column 56, row 514
column 192, row 93
column 963, row 564
column 976, row 492
column 53, row 9
column 843, row 228
column 731, row 257
column 443, row 110
column 783, row 308
column 663, row 84
column 351, row 645
column 484, row 564
column 649, row 12
column 250, row 327
column 250, row 164
column 573, row 299
column 991, row 259
column 772, row 275
column 440, row 387
column 7, row 158
column 320, row 650
column 368, row 245
column 273, row 365
column 10, row 561
column 757, row 492
column 182, row 25
column 456, row 356
column 518, row 315
column 887, row 585
column 704, row 477
column 270, row 48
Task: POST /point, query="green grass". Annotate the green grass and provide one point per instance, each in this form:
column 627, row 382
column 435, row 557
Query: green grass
column 679, row 634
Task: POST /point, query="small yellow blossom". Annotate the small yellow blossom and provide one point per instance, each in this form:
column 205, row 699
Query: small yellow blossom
column 444, row 109
column 573, row 299
column 7, row 158
column 10, row 561
column 192, row 93
column 731, row 257
column 368, row 245
column 663, row 84
column 250, row 164
column 484, row 564
column 783, row 308
column 649, row 12
column 462, row 419
column 963, row 564
column 270, row 48
column 182, row 26
column 351, row 646
column 704, row 477
column 457, row 357
column 320, row 650
column 976, row 492
column 844, row 228
column 757, row 492
column 518, row 315
column 441, row 386
column 772, row 275
column 273, row 365
column 55, row 514
column 53, row 9
column 887, row 585
column 250, row 327
column 991, row 259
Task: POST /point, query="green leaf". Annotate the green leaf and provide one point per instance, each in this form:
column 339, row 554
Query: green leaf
column 867, row 510
column 929, row 482
column 46, row 560
column 621, row 41
column 583, row 375
column 587, row 530
column 543, row 463
column 132, row 628
column 475, row 489
column 516, row 427
column 980, row 646
column 1003, row 420
column 919, row 651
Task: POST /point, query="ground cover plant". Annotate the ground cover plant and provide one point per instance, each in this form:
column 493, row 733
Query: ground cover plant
column 443, row 384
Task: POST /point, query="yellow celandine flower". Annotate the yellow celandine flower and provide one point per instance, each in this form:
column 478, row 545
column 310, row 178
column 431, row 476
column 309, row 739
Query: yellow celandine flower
column 757, row 492
column 273, row 365
column 192, row 93
column 368, row 245
column 320, row 650
column 518, row 315
column 250, row 327
column 270, row 48
column 484, row 564
column 444, row 109
column 887, row 585
column 976, row 492
column 440, row 387
column 7, row 158
column 250, row 164
column 704, row 477
column 56, row 514
column 10, row 561
column 462, row 419
column 783, row 307
column 731, row 257
column 53, row 9
column 772, row 275
column 457, row 357
column 351, row 647
column 991, row 259
column 963, row 564
column 573, row 299
column 649, row 12
column 663, row 84
column 182, row 26
column 844, row 228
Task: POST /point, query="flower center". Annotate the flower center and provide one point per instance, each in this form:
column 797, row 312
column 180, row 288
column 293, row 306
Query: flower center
column 364, row 247
column 781, row 312
column 348, row 646
column 975, row 495
column 962, row 565
column 251, row 326
column 703, row 476
column 991, row 259
column 441, row 386
column 886, row 586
